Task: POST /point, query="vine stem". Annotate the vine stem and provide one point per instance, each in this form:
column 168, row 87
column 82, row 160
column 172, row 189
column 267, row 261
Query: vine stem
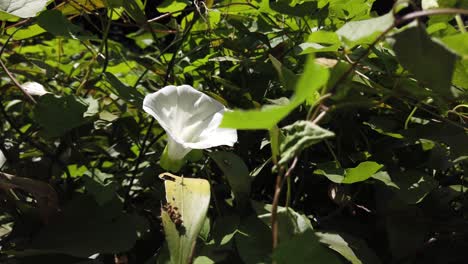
column 280, row 179
column 274, row 205
column 17, row 84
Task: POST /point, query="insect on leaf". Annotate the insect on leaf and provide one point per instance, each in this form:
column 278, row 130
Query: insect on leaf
column 183, row 214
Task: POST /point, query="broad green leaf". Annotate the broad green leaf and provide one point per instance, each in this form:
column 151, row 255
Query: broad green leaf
column 169, row 6
column 288, row 7
column 58, row 115
column 8, row 17
column 320, row 41
column 253, row 240
column 298, row 136
column 85, row 228
column 385, row 178
column 460, row 75
column 354, row 250
column 416, row 50
column 79, row 6
column 57, row 24
column 313, row 78
column 187, row 201
column 336, row 242
column 203, row 260
column 27, row 32
column 23, row 8
column 360, row 173
column 458, row 43
column 304, row 248
column 287, row 78
column 365, row 31
column 128, row 94
column 237, row 175
column 265, row 118
column 290, row 222
column 323, row 37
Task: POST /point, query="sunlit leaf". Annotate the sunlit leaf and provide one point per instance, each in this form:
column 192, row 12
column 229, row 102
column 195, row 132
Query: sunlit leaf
column 187, row 201
column 354, row 250
column 365, row 31
column 172, row 6
column 336, row 174
column 313, row 78
column 458, row 43
column 299, row 136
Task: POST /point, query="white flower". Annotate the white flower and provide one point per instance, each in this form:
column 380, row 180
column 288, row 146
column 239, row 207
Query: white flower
column 191, row 120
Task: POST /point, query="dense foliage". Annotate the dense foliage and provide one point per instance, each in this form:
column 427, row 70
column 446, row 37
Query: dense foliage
column 351, row 116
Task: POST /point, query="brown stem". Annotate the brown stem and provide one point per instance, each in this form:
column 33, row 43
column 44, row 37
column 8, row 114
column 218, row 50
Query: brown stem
column 431, row 12
column 274, row 206
column 17, row 84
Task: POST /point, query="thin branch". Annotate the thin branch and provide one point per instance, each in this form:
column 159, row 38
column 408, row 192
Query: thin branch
column 274, row 205
column 431, row 12
column 17, row 84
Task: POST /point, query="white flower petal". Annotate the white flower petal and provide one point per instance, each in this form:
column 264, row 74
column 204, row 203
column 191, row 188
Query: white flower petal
column 34, row 88
column 175, row 150
column 191, row 120
column 190, row 117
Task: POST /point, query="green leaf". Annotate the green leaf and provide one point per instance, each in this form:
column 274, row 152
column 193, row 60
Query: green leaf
column 290, row 222
column 169, row 6
column 23, row 9
column 129, row 94
column 416, row 50
column 85, row 228
column 460, row 75
column 304, row 248
column 457, row 43
column 289, row 7
column 58, row 115
column 354, row 250
column 25, row 33
column 365, row 31
column 313, row 78
column 287, row 78
column 237, row 175
column 265, row 118
column 187, row 201
column 253, row 240
column 360, row 173
column 57, row 24
column 320, row 41
column 298, row 136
